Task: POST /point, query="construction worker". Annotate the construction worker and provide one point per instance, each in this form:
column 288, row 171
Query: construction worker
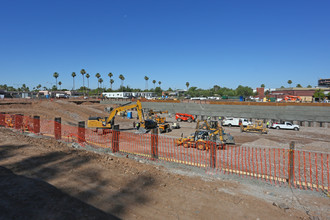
column 137, row 125
column 267, row 124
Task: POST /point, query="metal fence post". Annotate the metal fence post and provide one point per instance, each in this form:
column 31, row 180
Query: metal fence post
column 213, row 152
column 2, row 119
column 291, row 163
column 36, row 124
column 115, row 138
column 154, row 143
column 57, row 128
column 81, row 132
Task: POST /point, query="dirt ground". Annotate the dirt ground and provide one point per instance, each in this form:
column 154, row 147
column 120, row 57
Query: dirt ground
column 45, row 179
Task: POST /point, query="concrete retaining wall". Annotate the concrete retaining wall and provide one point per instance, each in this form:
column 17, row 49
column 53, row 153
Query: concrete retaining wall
column 285, row 113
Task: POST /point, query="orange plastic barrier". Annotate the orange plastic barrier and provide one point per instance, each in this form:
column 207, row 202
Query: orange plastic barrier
column 309, row 170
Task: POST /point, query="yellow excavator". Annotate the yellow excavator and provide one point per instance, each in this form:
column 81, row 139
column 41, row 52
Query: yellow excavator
column 108, row 122
column 205, row 135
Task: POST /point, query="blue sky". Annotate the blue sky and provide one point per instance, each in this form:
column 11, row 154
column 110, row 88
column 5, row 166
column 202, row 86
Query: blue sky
column 226, row 43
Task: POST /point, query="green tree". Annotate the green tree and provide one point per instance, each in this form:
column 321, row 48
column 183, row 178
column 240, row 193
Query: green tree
column 38, row 86
column 282, row 87
column 309, row 86
column 83, row 72
column 56, row 75
column 73, row 74
column 60, row 83
column 319, row 94
column 159, row 82
column 187, row 84
column 244, row 91
column 289, row 82
column 146, row 78
column 298, row 86
column 262, row 86
column 154, row 82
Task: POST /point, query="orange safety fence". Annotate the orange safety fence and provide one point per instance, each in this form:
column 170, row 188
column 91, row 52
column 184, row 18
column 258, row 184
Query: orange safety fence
column 299, row 168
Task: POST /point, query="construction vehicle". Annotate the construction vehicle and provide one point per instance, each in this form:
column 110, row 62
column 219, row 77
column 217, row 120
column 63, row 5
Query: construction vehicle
column 205, row 135
column 163, row 126
column 292, row 98
column 256, row 127
column 108, row 122
column 185, row 117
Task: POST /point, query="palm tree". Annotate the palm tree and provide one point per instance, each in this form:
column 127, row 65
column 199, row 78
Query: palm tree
column 111, row 82
column 97, row 75
column 83, row 72
column 73, row 74
column 39, row 86
column 154, row 82
column 298, row 86
column 122, row 78
column 56, row 75
column 60, row 83
column 187, row 84
column 100, row 81
column 262, row 86
column 159, row 82
column 289, row 82
column 146, row 79
column 87, row 76
column 110, row 76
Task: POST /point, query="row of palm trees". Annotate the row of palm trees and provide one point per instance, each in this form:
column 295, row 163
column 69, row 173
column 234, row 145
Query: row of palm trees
column 146, row 78
column 100, row 80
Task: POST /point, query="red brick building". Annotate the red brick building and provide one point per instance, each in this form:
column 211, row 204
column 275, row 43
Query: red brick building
column 305, row 93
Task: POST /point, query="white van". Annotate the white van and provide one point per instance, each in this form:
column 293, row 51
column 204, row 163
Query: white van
column 235, row 122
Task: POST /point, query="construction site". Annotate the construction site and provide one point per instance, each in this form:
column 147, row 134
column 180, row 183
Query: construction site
column 134, row 159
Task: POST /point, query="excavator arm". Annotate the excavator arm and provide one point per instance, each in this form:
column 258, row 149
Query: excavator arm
column 114, row 112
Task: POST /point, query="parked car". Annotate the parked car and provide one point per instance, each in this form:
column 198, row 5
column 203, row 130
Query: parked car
column 235, row 122
column 285, row 125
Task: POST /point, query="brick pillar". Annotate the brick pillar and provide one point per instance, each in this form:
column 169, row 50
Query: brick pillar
column 57, row 128
column 115, row 138
column 18, row 121
column 2, row 119
column 154, row 143
column 81, row 132
column 36, row 124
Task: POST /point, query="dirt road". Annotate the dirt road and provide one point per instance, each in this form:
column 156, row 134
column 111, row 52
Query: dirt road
column 41, row 178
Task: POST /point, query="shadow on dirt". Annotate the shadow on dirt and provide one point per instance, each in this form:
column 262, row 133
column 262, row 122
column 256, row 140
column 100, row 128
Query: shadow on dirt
column 33, row 198
column 27, row 198
column 7, row 151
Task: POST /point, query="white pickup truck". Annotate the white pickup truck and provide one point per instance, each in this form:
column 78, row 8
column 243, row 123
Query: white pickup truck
column 285, row 125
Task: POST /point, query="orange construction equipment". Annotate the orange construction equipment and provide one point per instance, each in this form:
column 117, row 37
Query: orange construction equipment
column 292, row 98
